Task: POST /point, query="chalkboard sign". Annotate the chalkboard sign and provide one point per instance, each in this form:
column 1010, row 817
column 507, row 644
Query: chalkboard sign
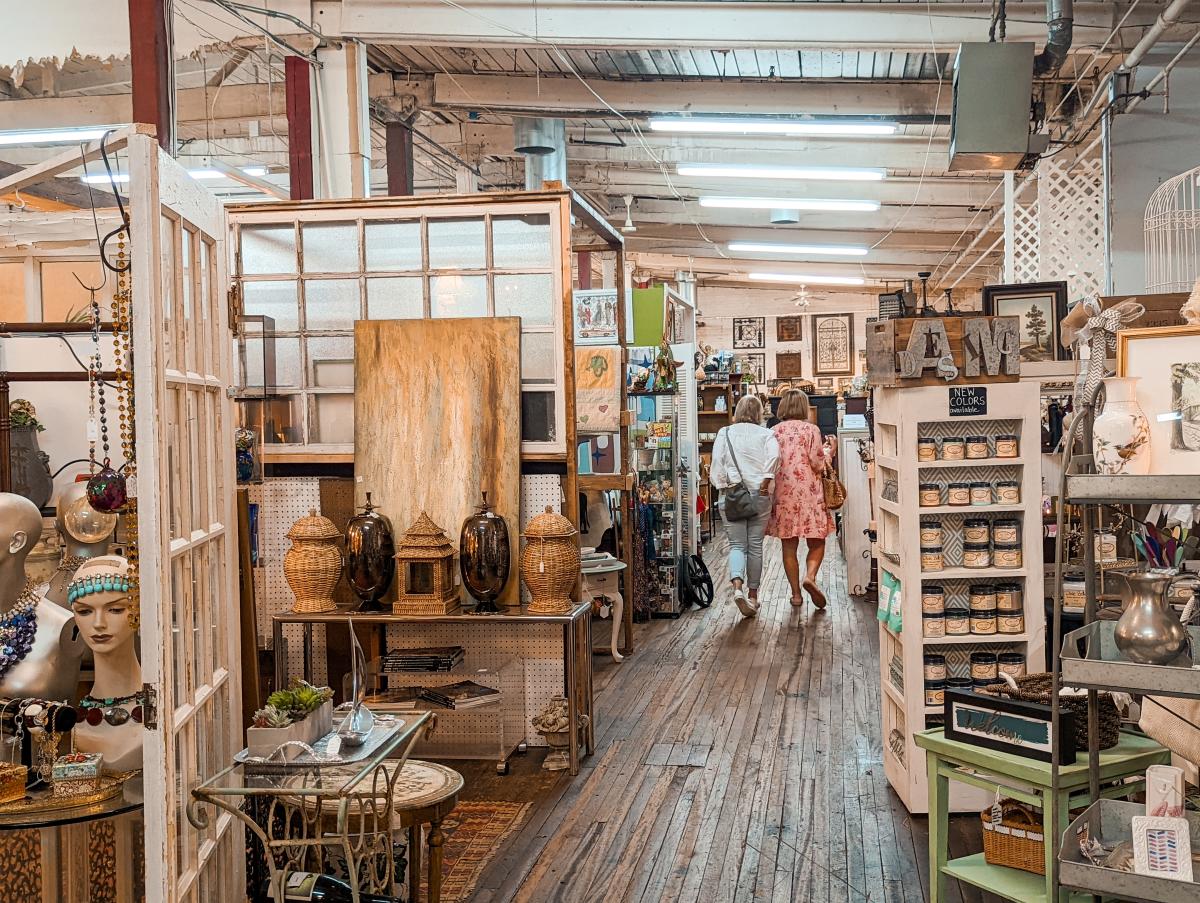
column 968, row 401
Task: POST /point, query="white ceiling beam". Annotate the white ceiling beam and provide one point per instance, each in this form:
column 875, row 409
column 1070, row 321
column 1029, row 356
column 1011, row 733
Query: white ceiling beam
column 903, row 239
column 880, row 260
column 921, row 219
column 611, row 24
column 567, row 96
column 713, row 267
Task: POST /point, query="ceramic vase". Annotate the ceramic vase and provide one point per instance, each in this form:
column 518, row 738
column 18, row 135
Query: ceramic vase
column 29, row 465
column 1121, row 434
column 370, row 555
column 1149, row 632
column 484, row 557
column 313, row 565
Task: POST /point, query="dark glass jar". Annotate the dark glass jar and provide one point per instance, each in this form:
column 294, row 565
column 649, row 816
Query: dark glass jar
column 370, row 555
column 483, row 556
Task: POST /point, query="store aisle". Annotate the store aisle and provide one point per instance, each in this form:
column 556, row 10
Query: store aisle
column 738, row 760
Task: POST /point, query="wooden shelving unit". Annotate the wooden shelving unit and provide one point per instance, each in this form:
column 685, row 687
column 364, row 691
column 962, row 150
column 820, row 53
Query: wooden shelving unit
column 901, row 417
column 710, row 421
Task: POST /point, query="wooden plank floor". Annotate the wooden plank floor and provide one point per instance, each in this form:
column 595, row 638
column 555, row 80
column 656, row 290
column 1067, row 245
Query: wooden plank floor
column 736, row 760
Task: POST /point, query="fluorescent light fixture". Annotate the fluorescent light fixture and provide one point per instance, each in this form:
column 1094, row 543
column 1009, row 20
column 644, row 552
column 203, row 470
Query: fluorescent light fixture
column 201, row 174
column 773, row 248
column 799, row 173
column 790, row 204
column 796, row 127
column 55, row 136
column 1169, row 416
column 808, row 279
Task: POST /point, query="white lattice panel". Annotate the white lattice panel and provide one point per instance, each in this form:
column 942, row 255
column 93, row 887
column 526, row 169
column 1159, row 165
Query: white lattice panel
column 1027, row 241
column 1071, row 214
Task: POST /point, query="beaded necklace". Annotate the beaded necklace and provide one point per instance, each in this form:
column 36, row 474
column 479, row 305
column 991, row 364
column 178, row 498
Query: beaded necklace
column 18, row 627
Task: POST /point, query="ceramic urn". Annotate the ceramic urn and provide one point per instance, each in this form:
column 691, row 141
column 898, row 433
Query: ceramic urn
column 313, row 565
column 550, row 562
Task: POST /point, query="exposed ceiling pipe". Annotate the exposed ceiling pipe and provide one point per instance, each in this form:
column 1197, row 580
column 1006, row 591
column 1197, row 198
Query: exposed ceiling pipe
column 1165, row 20
column 543, row 143
column 1060, row 23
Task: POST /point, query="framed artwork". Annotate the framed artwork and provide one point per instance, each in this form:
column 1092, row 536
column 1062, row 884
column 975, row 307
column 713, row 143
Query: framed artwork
column 754, row 367
column 1166, row 361
column 833, row 344
column 789, row 364
column 1005, row 725
column 749, row 332
column 1041, row 307
column 595, row 316
column 1162, row 847
column 825, row 383
column 789, row 329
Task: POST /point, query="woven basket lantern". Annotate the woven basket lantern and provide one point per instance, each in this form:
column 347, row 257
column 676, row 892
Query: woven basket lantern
column 425, row 571
column 313, row 565
column 550, row 563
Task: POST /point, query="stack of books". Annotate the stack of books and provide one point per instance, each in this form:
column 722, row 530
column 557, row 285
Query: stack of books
column 422, row 658
column 396, row 699
column 463, row 695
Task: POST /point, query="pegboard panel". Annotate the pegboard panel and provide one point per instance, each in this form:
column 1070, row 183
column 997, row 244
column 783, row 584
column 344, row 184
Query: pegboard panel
column 538, row 491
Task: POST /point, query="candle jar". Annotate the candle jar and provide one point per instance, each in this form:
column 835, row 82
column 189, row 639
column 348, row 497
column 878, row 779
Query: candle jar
column 1106, row 547
column 982, row 596
column 1010, row 622
column 984, row 666
column 1008, row 492
column 935, row 692
column 953, row 448
column 981, row 493
column 931, row 533
column 959, row 494
column 933, row 624
column 960, row 683
column 976, row 555
column 1007, row 555
column 931, row 559
column 980, row 686
column 958, row 622
column 926, row 449
column 1008, row 597
column 984, row 622
column 977, row 530
column 934, row 666
column 1007, row 446
column 1007, row 531
column 977, row 447
column 933, row 598
column 929, row 495
column 1011, row 663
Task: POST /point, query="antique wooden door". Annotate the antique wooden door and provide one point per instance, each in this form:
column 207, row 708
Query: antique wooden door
column 187, row 524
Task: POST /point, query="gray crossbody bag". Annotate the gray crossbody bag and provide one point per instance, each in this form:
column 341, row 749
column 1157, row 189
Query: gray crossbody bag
column 740, row 503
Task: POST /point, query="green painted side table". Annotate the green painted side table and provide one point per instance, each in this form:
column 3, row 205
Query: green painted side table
column 1027, row 780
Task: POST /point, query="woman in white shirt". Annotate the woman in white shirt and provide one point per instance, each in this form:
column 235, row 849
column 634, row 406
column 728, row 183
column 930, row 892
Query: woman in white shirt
column 745, row 453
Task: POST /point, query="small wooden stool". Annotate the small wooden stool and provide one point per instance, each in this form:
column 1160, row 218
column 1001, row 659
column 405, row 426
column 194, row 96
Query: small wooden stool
column 425, row 794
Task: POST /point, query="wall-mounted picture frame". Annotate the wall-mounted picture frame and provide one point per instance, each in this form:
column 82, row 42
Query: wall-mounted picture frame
column 789, row 329
column 1021, row 728
column 789, row 365
column 825, row 383
column 833, row 344
column 1162, row 847
column 1041, row 307
column 1166, row 362
column 749, row 332
column 595, row 316
column 754, row 367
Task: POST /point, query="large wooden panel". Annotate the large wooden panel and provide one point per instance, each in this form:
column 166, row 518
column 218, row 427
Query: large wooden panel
column 437, row 420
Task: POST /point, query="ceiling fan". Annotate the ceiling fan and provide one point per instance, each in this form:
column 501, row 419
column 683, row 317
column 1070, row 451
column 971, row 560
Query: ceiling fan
column 804, row 297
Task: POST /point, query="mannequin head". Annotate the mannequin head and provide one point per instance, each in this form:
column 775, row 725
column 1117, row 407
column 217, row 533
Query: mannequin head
column 103, row 617
column 84, row 530
column 20, row 528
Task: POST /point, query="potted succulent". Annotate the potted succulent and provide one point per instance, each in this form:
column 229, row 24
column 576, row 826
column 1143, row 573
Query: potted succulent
column 553, row 724
column 301, row 713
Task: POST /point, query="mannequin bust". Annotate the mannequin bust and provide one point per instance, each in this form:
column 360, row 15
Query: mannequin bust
column 102, row 615
column 85, row 533
column 50, row 668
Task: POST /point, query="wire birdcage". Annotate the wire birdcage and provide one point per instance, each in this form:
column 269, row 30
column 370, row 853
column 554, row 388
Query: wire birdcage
column 1172, row 233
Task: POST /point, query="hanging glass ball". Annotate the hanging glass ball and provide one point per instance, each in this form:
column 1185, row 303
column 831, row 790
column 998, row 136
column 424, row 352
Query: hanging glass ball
column 106, row 490
column 85, row 524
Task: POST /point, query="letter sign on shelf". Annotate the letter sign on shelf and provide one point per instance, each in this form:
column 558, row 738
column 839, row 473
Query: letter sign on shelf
column 968, row 401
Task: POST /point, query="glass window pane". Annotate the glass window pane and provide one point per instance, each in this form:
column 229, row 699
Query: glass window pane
column 331, row 361
column 529, row 297
column 287, row 362
column 537, row 416
column 12, row 292
column 398, row 298
column 275, row 299
column 537, row 357
column 268, row 249
column 521, row 241
column 393, row 246
column 331, row 248
column 63, row 299
column 331, row 303
column 281, row 419
column 458, row 296
column 456, row 244
column 331, row 418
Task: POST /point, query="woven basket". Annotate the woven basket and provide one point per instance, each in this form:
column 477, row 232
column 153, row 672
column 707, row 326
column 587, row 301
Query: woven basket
column 313, row 565
column 550, row 563
column 1036, row 688
column 1018, row 841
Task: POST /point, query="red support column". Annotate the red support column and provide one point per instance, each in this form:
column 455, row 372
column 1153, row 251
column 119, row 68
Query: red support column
column 399, row 151
column 584, row 259
column 150, row 62
column 297, row 77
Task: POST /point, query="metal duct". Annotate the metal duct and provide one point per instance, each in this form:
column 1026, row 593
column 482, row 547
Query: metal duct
column 1060, row 21
column 544, row 144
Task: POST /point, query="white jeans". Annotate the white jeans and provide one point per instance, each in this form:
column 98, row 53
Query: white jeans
column 746, row 544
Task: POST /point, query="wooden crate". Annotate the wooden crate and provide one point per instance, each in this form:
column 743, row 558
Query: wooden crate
column 885, row 339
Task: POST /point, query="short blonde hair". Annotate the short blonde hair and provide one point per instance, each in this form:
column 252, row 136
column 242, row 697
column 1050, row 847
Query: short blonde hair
column 794, row 406
column 749, row 410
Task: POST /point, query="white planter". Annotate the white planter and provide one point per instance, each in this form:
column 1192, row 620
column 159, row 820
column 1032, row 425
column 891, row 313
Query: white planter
column 1121, row 435
column 261, row 742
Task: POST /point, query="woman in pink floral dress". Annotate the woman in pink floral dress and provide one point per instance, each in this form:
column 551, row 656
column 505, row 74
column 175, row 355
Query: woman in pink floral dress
column 799, row 510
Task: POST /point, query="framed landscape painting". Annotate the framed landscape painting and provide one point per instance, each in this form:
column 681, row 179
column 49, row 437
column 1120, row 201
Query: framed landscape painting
column 1040, row 306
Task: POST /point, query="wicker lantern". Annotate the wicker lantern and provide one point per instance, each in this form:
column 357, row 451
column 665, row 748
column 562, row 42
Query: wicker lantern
column 425, row 571
column 550, row 563
column 313, row 565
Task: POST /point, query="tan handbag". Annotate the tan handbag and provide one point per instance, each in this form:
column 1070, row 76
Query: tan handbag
column 832, row 488
column 1175, row 723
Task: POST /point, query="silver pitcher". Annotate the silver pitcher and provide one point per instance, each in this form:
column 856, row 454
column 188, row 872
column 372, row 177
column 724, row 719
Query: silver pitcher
column 1149, row 632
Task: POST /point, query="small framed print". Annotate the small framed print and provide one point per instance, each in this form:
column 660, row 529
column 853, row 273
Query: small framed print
column 595, row 316
column 789, row 329
column 749, row 332
column 1021, row 728
column 1040, row 306
column 1162, row 847
column 789, row 364
column 825, row 383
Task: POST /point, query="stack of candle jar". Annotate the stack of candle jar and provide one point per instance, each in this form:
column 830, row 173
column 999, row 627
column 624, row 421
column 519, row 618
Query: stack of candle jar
column 968, row 448
column 969, row 493
column 994, row 608
column 986, row 543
